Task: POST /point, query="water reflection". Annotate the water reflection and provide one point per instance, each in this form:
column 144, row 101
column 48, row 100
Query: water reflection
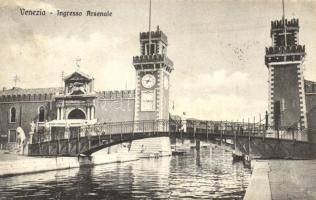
column 209, row 174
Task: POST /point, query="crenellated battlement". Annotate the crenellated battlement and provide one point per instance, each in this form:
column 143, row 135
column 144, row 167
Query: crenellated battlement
column 295, row 49
column 33, row 94
column 155, row 35
column 279, row 24
column 284, row 53
column 117, row 94
column 157, row 58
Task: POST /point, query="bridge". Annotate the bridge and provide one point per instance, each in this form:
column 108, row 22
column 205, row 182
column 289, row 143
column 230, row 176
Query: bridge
column 251, row 139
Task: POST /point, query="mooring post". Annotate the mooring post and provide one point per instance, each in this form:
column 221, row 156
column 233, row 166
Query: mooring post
column 89, row 142
column 78, row 143
column 235, row 136
column 259, row 123
column 248, row 137
column 206, row 130
column 58, row 146
column 193, row 128
column 197, row 146
column 254, row 126
column 49, row 147
column 221, row 131
column 293, row 135
column 68, row 146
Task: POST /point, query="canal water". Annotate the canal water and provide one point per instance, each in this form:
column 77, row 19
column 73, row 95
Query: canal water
column 211, row 174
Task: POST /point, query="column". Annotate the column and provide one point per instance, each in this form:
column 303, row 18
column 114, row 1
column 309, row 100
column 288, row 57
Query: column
column 58, row 113
column 61, row 113
column 92, row 112
column 50, row 133
column 88, row 113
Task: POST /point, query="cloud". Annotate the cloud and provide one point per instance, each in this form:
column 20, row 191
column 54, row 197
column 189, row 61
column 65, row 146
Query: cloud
column 59, row 53
column 217, row 95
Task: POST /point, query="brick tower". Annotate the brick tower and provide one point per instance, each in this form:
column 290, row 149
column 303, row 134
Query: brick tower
column 284, row 60
column 153, row 69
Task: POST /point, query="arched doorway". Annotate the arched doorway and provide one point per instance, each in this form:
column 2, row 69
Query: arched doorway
column 76, row 114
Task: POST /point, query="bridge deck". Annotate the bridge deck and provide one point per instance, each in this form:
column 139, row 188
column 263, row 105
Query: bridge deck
column 247, row 138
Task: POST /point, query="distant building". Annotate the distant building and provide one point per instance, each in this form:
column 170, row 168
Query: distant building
column 292, row 99
column 77, row 103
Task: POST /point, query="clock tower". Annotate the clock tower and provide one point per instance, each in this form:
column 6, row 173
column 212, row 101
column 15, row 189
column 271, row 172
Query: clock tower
column 153, row 69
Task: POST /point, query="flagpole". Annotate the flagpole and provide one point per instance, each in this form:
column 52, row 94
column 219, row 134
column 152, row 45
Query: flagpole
column 149, row 39
column 284, row 25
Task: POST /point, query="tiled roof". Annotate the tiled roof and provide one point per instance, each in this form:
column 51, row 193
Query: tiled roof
column 21, row 91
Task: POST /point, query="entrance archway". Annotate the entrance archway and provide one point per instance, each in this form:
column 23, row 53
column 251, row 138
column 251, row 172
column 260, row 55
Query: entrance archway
column 76, row 114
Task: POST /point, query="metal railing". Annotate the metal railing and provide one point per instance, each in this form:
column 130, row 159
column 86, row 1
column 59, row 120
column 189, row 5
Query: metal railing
column 222, row 128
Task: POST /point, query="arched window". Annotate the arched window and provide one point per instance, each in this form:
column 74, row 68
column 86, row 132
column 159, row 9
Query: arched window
column 41, row 114
column 12, row 115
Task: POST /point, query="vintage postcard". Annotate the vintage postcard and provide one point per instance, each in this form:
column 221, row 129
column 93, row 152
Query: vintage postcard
column 158, row 99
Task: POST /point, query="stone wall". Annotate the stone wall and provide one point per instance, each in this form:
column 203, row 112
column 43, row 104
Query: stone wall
column 286, row 90
column 115, row 106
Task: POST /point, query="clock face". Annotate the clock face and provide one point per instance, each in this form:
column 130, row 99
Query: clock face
column 148, row 81
column 166, row 83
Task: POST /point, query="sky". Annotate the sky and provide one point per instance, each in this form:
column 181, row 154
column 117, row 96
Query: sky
column 217, row 47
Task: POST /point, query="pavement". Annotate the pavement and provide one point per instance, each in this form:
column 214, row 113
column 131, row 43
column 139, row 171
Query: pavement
column 294, row 179
column 282, row 179
column 8, row 157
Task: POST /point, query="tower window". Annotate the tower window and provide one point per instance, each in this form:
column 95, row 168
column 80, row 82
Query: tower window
column 41, row 114
column 152, row 49
column 13, row 115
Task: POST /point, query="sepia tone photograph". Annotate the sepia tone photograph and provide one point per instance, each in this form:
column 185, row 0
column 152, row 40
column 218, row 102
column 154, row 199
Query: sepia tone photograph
column 158, row 99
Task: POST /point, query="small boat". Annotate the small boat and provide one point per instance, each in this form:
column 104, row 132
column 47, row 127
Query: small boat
column 238, row 156
column 178, row 153
column 247, row 161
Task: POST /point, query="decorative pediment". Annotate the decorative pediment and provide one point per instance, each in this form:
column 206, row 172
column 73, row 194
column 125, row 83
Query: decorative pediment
column 78, row 83
column 78, row 77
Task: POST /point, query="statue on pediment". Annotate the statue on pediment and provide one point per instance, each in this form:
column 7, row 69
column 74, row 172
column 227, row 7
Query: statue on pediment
column 77, row 88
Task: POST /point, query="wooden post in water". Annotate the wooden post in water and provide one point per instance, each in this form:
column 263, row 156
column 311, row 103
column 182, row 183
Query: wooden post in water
column 243, row 126
column 226, row 123
column 248, row 137
column 235, row 137
column 68, row 146
column 221, row 131
column 193, row 128
column 259, row 123
column 197, row 146
column 293, row 135
column 89, row 142
column 58, row 147
column 78, row 143
column 206, row 130
column 254, row 125
column 49, row 147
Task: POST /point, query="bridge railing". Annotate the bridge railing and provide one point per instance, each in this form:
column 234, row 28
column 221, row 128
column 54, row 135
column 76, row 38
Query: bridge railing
column 223, row 128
